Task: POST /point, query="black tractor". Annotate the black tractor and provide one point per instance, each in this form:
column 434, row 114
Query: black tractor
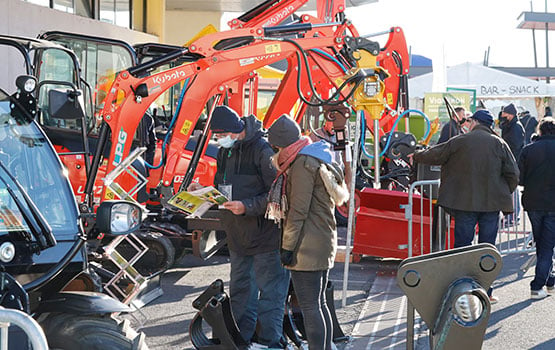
column 43, row 258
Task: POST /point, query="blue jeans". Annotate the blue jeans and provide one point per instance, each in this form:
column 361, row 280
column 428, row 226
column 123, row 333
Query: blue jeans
column 465, row 227
column 543, row 228
column 310, row 289
column 258, row 288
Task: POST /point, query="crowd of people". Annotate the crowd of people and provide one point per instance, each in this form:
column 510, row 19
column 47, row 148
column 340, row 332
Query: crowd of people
column 490, row 167
column 283, row 190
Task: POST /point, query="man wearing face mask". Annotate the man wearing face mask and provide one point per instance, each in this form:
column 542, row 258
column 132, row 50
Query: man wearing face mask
column 258, row 282
column 513, row 133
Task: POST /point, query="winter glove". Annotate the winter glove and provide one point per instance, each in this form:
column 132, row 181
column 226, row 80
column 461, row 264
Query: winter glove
column 286, row 257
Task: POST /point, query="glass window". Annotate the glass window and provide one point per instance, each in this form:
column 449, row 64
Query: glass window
column 64, row 5
column 83, row 8
column 55, row 65
column 25, row 152
column 99, row 63
column 115, row 12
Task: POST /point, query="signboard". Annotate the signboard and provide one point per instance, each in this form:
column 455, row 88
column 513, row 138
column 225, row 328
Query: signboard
column 434, row 105
column 495, row 90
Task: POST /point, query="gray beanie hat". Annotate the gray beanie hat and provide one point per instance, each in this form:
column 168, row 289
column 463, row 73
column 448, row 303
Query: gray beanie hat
column 284, row 131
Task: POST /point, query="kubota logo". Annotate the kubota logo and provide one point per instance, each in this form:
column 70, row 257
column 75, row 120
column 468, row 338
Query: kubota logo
column 122, row 137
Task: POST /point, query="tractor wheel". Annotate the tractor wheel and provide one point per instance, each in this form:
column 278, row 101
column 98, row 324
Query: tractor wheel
column 160, row 255
column 90, row 332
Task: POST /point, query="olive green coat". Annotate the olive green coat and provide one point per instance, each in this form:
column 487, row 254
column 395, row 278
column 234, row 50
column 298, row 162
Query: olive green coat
column 478, row 171
column 309, row 228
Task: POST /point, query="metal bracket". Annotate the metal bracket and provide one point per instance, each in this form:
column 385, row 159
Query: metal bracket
column 215, row 309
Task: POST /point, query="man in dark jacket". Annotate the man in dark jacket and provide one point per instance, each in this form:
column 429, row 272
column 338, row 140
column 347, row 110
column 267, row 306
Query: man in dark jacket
column 258, row 282
column 482, row 163
column 512, row 132
column 537, row 175
column 454, row 126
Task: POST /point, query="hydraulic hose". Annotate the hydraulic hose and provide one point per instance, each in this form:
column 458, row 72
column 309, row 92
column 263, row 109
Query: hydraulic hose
column 302, row 58
column 388, row 142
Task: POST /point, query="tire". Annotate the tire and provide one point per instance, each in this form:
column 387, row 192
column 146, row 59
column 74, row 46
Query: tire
column 90, row 332
column 160, row 255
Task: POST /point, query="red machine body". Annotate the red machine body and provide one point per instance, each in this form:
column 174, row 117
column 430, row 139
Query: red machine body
column 382, row 228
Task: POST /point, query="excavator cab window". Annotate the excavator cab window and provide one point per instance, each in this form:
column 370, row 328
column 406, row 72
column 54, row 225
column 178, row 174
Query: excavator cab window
column 100, row 64
column 55, row 66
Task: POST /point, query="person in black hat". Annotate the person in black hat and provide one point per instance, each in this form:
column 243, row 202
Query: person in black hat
column 303, row 196
column 258, row 281
column 512, row 130
column 513, row 133
column 483, row 163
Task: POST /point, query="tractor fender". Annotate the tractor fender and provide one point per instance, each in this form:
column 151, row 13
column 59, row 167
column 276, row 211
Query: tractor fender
column 83, row 303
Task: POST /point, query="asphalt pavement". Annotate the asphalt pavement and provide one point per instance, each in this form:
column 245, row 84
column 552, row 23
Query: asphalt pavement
column 375, row 313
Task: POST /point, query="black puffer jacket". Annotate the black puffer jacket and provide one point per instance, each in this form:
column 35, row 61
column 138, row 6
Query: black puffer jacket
column 537, row 174
column 513, row 133
column 248, row 168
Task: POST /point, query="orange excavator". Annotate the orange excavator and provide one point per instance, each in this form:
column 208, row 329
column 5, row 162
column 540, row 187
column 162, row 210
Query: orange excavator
column 220, row 68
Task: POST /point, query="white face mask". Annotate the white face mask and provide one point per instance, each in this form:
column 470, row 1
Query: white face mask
column 226, row 142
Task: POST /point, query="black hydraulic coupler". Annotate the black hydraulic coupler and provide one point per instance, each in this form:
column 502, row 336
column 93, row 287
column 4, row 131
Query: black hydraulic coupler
column 215, row 309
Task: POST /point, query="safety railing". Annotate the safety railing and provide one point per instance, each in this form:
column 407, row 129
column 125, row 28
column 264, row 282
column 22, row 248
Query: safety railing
column 515, row 230
column 432, row 219
column 31, row 328
column 437, row 229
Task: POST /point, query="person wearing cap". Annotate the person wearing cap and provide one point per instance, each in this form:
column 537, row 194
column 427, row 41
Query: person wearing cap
column 303, row 196
column 512, row 130
column 537, row 176
column 513, row 133
column 478, row 175
column 258, row 282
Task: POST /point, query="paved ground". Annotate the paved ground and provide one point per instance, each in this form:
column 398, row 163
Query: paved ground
column 375, row 314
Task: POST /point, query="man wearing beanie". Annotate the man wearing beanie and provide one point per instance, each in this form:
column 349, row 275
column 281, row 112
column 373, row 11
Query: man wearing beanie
column 512, row 130
column 303, row 198
column 480, row 163
column 513, row 133
column 258, row 282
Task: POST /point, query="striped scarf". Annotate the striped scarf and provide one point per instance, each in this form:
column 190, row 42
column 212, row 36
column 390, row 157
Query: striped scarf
column 277, row 197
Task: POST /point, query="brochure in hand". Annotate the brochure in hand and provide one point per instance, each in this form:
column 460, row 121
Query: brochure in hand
column 196, row 203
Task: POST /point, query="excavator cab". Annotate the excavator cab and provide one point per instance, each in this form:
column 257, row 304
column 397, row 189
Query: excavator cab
column 42, row 242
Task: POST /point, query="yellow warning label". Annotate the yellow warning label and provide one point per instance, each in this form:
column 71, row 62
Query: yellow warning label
column 273, row 48
column 186, row 127
column 109, row 194
column 389, row 98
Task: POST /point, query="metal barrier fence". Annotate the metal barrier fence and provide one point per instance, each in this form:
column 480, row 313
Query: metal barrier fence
column 514, row 233
column 31, row 328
